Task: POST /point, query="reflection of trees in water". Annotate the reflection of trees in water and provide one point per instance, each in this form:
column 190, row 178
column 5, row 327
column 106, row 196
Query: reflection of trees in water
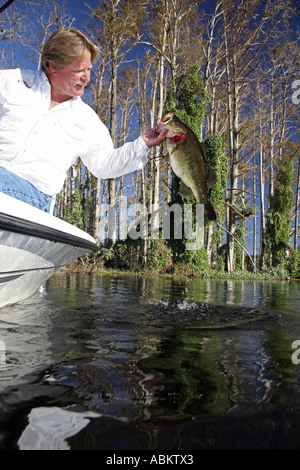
column 164, row 361
column 177, row 371
column 145, row 358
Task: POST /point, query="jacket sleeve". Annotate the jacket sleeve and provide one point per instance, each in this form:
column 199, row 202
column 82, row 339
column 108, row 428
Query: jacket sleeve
column 3, row 79
column 105, row 161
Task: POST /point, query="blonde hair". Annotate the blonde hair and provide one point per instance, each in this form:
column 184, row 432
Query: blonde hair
column 64, row 46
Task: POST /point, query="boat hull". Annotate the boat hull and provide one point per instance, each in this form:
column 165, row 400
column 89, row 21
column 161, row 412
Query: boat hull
column 33, row 246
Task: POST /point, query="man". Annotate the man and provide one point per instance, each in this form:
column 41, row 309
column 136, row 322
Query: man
column 45, row 126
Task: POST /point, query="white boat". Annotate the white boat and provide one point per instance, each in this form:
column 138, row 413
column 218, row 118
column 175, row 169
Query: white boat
column 33, row 246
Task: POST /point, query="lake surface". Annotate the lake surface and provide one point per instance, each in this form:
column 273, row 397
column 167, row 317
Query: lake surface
column 133, row 363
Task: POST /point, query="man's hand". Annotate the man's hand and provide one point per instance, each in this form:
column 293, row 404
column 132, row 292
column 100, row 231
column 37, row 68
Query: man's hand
column 152, row 139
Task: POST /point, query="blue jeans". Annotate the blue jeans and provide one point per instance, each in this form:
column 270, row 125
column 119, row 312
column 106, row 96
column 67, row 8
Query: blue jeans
column 21, row 189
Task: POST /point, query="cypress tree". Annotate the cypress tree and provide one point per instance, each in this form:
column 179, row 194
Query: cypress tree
column 279, row 216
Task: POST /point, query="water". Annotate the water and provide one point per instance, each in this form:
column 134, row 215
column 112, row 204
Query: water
column 132, row 363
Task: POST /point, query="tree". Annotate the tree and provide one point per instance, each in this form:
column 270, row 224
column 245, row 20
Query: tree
column 229, row 75
column 218, row 160
column 248, row 30
column 297, row 207
column 280, row 213
column 116, row 23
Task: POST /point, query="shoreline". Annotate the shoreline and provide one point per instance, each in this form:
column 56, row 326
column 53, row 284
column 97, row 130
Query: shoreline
column 89, row 269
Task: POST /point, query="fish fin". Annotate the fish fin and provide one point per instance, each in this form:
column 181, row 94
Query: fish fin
column 184, row 190
column 211, row 177
column 209, row 211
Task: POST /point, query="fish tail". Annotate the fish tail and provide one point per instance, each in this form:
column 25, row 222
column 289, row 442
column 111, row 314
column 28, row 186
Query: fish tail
column 209, row 211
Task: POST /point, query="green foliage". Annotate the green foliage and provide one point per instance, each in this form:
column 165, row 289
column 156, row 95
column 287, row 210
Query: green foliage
column 74, row 213
column 239, row 235
column 105, row 254
column 218, row 160
column 279, row 215
column 219, row 263
column 198, row 260
column 124, row 255
column 159, row 256
column 293, row 264
column 189, row 99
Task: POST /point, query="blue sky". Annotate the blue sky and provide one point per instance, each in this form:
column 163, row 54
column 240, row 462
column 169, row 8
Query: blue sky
column 79, row 10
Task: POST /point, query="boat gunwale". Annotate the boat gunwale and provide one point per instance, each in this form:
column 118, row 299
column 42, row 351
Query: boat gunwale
column 11, row 223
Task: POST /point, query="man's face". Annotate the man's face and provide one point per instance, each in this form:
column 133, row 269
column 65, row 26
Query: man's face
column 68, row 82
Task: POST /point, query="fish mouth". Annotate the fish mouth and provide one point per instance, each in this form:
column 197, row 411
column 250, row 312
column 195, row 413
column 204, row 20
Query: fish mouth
column 175, row 132
column 167, row 117
column 163, row 122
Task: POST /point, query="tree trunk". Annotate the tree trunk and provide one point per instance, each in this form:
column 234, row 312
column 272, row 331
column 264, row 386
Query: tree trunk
column 262, row 200
column 296, row 234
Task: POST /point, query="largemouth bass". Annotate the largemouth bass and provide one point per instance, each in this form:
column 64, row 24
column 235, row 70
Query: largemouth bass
column 188, row 161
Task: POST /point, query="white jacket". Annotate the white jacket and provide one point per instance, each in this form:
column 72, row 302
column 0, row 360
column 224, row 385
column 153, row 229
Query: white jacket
column 40, row 145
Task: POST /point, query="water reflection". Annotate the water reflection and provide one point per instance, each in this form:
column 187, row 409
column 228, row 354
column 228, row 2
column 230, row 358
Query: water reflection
column 50, row 427
column 196, row 358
